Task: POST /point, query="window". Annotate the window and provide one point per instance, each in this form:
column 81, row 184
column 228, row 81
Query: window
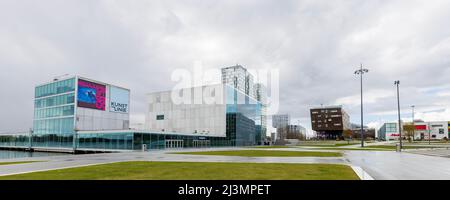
column 159, row 117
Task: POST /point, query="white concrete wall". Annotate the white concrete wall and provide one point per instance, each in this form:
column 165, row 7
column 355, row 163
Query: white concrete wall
column 434, row 130
column 206, row 119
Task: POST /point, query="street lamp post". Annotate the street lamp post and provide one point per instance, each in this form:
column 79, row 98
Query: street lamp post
column 360, row 72
column 397, row 83
column 414, row 127
column 429, row 133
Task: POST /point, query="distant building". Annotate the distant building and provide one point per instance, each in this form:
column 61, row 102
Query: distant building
column 388, row 131
column 295, row 132
column 329, row 122
column 273, row 136
column 280, row 121
column 261, row 96
column 369, row 133
column 435, row 130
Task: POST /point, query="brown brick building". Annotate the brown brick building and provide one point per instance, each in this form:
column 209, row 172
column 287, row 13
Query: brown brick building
column 329, row 122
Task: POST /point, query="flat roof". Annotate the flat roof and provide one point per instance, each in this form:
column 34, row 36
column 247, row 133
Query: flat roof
column 327, row 107
column 212, row 85
column 79, row 77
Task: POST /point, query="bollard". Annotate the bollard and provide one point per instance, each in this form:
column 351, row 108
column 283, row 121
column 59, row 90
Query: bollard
column 397, row 147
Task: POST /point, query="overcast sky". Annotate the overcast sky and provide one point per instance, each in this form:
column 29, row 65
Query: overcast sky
column 316, row 45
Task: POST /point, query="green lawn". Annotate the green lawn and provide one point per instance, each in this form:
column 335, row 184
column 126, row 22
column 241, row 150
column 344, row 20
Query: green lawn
column 352, row 149
column 264, row 153
column 272, row 147
column 391, row 147
column 20, row 162
column 328, row 144
column 143, row 170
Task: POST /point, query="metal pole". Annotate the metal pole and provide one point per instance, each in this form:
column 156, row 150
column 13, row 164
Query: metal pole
column 414, row 127
column 399, row 120
column 360, row 72
column 362, row 122
column 429, row 133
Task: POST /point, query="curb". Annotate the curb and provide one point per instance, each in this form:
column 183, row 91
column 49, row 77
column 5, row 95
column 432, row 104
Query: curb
column 363, row 175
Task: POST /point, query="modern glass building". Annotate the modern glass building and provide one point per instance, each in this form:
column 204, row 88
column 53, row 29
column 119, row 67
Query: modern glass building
column 80, row 114
column 54, row 114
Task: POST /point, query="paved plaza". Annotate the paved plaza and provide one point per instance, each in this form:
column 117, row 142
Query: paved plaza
column 390, row 165
column 381, row 165
column 67, row 161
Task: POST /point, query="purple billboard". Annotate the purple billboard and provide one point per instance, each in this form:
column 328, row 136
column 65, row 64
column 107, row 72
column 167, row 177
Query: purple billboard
column 91, row 95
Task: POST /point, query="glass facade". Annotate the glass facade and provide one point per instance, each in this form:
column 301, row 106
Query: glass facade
column 136, row 140
column 54, row 108
column 243, row 115
column 386, row 130
column 16, row 140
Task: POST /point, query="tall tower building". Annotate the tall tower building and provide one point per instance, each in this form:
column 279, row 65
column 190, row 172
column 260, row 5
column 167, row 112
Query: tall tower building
column 238, row 77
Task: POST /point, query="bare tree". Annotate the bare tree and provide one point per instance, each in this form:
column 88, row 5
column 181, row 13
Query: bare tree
column 409, row 131
column 347, row 135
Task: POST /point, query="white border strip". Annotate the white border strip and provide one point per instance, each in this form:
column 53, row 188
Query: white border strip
column 363, row 175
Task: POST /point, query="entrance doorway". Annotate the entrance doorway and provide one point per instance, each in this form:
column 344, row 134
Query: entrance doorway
column 174, row 144
column 201, row 143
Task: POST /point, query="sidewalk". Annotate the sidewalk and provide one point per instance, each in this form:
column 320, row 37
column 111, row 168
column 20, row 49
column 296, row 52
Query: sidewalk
column 389, row 165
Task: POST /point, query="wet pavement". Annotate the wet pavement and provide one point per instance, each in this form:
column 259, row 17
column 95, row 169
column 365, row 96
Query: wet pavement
column 389, row 165
column 381, row 165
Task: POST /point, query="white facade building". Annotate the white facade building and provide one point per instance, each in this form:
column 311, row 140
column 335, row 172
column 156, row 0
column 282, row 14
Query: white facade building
column 215, row 111
column 435, row 130
column 195, row 117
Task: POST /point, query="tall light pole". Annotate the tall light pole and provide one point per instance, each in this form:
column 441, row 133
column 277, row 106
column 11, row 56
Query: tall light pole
column 360, row 72
column 414, row 126
column 397, row 83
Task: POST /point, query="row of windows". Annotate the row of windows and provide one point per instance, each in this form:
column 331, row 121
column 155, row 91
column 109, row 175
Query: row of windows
column 128, row 141
column 50, row 126
column 55, row 88
column 53, row 140
column 14, row 140
column 106, row 141
column 324, row 111
column 54, row 112
column 391, row 127
column 55, row 101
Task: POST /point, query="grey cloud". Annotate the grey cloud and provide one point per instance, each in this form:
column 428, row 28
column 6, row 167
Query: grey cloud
column 137, row 44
